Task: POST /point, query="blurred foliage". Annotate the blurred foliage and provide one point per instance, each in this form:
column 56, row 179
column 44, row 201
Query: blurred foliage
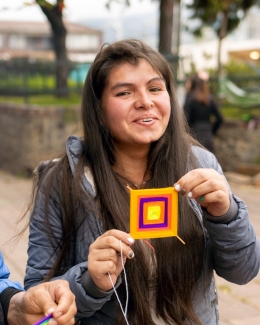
column 235, row 68
column 232, row 112
column 244, row 74
column 210, row 13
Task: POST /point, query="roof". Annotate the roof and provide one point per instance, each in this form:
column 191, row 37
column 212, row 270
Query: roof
column 42, row 28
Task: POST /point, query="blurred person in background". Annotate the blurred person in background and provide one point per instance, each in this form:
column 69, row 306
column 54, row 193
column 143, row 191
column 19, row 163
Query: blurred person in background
column 200, row 109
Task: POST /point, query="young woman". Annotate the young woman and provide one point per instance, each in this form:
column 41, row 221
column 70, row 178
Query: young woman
column 200, row 108
column 135, row 136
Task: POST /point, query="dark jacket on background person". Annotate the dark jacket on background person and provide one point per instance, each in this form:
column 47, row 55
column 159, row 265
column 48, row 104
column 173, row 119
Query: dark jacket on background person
column 231, row 249
column 199, row 117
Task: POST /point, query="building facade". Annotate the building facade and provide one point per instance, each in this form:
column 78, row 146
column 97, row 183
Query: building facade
column 34, row 41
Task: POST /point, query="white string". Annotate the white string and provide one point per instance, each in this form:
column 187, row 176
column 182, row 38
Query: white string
column 126, row 287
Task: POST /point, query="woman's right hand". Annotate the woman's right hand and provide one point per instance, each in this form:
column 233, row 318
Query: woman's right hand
column 105, row 257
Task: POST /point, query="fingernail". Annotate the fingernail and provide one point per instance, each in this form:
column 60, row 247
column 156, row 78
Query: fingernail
column 130, row 240
column 190, row 194
column 183, row 192
column 177, row 187
column 51, row 310
column 201, row 198
column 131, row 254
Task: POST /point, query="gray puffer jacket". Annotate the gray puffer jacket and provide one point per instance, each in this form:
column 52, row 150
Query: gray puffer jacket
column 232, row 249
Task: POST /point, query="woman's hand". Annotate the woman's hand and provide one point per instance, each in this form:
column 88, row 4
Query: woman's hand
column 105, row 257
column 208, row 188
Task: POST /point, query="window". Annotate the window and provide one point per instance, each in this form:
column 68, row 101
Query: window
column 82, row 42
column 39, row 43
column 253, row 27
column 93, row 42
column 17, row 42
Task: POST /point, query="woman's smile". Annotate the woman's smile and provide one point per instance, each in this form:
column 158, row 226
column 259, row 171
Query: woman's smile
column 146, row 120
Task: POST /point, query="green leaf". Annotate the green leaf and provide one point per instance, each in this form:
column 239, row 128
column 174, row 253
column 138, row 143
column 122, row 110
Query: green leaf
column 208, row 12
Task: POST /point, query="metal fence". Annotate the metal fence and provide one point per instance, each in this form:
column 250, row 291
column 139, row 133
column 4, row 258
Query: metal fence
column 28, row 78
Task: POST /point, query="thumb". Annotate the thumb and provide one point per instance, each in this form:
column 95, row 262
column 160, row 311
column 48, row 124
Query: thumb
column 44, row 302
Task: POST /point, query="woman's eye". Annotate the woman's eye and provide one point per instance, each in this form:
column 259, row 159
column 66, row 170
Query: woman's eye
column 155, row 89
column 123, row 93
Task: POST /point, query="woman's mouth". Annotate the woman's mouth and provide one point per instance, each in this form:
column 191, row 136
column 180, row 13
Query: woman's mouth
column 146, row 120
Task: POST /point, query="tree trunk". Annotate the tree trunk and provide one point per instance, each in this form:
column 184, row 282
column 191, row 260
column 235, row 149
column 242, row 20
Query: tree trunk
column 176, row 27
column 222, row 35
column 166, row 26
column 59, row 31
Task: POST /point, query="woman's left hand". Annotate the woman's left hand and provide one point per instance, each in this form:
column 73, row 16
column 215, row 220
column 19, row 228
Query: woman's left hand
column 208, row 188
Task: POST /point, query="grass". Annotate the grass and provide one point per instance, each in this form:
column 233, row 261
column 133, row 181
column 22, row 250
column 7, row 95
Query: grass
column 240, row 113
column 34, row 82
column 44, row 84
column 44, row 100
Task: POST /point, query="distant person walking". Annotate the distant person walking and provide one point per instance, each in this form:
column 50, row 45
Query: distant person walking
column 200, row 108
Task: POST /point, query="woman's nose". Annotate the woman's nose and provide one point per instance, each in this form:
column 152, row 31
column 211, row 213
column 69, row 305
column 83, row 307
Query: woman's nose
column 143, row 101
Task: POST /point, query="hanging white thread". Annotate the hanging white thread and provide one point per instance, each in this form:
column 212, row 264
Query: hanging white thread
column 126, row 286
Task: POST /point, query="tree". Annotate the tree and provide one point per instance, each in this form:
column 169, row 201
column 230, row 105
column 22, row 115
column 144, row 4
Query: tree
column 53, row 12
column 165, row 24
column 222, row 16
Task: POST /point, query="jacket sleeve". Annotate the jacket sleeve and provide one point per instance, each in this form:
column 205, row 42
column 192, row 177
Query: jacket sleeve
column 235, row 248
column 187, row 108
column 218, row 116
column 42, row 256
column 4, row 277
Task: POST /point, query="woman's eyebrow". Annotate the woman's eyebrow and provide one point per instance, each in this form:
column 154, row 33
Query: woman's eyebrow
column 121, row 84
column 129, row 84
column 156, row 79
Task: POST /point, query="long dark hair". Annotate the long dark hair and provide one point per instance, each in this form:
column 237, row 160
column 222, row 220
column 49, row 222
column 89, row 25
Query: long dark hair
column 199, row 89
column 174, row 268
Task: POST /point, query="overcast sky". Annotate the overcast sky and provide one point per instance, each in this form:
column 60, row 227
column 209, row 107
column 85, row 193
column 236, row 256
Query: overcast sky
column 75, row 9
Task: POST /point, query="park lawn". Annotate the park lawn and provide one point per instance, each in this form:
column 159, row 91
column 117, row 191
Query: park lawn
column 44, row 100
column 245, row 114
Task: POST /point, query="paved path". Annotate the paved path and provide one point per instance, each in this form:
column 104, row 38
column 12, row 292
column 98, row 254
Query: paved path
column 238, row 305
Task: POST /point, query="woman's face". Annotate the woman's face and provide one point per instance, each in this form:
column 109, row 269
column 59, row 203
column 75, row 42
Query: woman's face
column 136, row 104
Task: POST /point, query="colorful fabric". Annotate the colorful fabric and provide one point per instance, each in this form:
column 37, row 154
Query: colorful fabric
column 153, row 213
